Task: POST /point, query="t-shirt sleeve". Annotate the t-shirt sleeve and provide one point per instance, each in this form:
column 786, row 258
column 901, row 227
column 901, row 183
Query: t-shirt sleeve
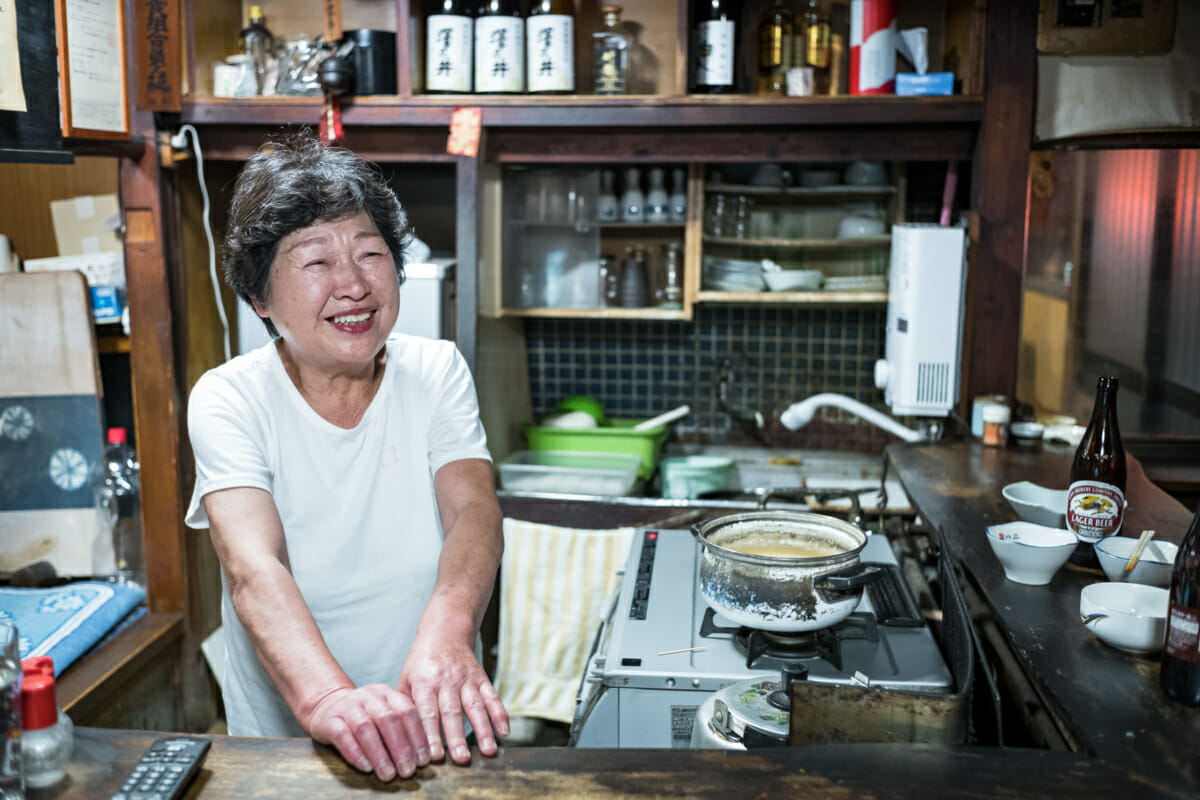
column 455, row 430
column 228, row 442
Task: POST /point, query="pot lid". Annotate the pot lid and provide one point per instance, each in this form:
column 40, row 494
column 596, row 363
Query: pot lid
column 745, row 705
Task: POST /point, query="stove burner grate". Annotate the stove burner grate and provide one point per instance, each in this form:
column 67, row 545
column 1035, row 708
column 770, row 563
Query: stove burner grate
column 768, row 649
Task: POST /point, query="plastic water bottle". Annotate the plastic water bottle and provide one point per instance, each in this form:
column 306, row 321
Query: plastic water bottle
column 120, row 493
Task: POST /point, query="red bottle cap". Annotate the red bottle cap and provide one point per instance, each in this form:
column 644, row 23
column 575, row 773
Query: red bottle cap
column 116, row 436
column 38, row 706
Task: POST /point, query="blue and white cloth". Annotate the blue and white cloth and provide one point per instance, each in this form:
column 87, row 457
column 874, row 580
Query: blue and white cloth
column 66, row 621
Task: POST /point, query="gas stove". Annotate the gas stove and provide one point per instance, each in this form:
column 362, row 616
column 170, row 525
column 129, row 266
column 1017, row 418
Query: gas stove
column 661, row 651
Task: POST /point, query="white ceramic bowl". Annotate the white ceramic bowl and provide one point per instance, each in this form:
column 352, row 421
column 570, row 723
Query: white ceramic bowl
column 1128, row 616
column 1037, row 504
column 858, row 226
column 865, row 173
column 1153, row 568
column 1029, row 553
column 794, row 280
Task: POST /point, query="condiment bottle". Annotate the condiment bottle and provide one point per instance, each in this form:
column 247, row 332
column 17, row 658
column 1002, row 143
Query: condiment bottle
column 1180, row 672
column 47, row 735
column 1096, row 495
column 995, row 425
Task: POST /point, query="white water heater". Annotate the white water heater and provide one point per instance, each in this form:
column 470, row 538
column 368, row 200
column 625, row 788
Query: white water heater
column 919, row 373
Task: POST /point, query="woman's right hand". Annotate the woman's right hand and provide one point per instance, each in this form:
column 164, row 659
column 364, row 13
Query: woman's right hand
column 376, row 728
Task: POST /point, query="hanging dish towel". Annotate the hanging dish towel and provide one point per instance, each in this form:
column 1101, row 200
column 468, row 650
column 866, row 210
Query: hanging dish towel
column 66, row 621
column 553, row 583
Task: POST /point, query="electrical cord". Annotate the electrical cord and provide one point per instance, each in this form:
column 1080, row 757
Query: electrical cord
column 179, row 142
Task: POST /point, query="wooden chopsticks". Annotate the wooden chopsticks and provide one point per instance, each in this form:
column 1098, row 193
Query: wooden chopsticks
column 1142, row 541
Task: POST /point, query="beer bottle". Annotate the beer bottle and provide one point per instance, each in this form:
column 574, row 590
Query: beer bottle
column 715, row 45
column 817, row 43
column 1180, row 672
column 550, row 47
column 774, row 49
column 449, row 40
column 1096, row 495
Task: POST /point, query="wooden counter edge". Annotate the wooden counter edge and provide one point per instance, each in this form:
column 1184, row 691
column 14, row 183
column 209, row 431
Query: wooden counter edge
column 87, row 682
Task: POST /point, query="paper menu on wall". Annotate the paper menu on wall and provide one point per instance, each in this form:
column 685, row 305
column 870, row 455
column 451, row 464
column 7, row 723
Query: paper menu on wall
column 94, row 53
column 12, row 93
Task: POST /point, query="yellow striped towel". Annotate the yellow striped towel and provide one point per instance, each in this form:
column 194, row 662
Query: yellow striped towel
column 553, row 583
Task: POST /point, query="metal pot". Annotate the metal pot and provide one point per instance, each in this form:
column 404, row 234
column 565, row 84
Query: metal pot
column 778, row 592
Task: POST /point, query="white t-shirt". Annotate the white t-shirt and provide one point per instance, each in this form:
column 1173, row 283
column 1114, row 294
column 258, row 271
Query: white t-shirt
column 359, row 512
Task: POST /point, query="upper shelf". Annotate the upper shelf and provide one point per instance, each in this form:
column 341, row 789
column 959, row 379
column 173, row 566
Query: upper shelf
column 596, row 111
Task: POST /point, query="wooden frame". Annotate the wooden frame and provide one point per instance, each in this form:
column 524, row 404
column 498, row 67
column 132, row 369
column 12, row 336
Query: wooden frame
column 70, row 75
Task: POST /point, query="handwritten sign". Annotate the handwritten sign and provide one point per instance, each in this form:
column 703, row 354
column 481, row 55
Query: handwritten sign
column 156, row 38
column 333, row 20
column 12, row 93
column 91, row 52
column 465, row 124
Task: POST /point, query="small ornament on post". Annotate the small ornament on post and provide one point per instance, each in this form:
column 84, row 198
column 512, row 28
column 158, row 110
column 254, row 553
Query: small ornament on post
column 336, row 74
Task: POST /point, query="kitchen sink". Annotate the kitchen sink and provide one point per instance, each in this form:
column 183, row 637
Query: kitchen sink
column 781, row 468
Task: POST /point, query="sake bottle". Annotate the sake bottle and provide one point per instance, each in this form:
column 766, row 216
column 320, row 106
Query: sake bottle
column 449, row 38
column 550, row 47
column 499, row 48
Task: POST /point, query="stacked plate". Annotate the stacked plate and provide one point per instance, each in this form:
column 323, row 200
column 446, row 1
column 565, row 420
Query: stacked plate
column 733, row 275
column 856, row 283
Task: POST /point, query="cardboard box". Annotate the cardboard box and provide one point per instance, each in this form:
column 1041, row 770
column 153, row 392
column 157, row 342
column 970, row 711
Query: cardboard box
column 87, row 224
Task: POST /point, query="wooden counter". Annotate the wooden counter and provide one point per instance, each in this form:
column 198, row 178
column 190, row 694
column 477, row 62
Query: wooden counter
column 1109, row 701
column 297, row 768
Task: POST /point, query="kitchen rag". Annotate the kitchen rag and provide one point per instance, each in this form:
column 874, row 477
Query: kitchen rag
column 553, row 584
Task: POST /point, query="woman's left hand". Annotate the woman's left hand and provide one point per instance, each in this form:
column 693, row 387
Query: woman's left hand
column 445, row 680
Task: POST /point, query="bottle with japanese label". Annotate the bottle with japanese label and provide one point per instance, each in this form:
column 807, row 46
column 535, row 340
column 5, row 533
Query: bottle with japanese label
column 499, row 48
column 550, row 47
column 715, row 45
column 774, row 49
column 611, row 54
column 1180, row 673
column 817, row 36
column 1096, row 495
column 449, row 43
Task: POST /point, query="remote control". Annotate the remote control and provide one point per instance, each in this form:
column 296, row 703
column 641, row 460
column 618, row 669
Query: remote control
column 164, row 770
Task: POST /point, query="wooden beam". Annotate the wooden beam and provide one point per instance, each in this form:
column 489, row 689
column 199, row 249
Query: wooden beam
column 157, row 405
column 993, row 326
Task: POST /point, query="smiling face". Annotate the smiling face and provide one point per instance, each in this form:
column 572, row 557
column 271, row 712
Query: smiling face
column 334, row 295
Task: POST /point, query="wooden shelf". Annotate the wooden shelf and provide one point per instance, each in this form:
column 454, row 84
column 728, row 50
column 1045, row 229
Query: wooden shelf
column 861, row 243
column 806, row 298
column 605, row 226
column 594, row 110
column 110, row 343
column 649, row 312
column 802, row 192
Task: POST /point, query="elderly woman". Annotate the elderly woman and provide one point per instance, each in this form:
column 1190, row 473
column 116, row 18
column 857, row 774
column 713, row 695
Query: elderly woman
column 346, row 483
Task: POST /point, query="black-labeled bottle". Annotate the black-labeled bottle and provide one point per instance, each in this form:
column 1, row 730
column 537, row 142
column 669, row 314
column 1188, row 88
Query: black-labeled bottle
column 1180, row 673
column 499, row 48
column 449, row 44
column 715, row 31
column 550, row 47
column 1096, row 495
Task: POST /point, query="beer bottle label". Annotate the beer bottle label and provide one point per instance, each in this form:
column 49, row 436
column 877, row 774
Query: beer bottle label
column 550, row 56
column 714, row 49
column 1183, row 634
column 448, row 48
column 1094, row 510
column 818, row 46
column 499, row 54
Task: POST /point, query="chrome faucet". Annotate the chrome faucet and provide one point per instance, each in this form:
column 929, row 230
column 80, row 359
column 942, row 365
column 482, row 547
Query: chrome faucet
column 743, row 416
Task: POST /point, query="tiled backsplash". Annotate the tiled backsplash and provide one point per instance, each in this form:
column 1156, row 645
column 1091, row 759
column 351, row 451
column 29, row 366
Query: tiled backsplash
column 780, row 354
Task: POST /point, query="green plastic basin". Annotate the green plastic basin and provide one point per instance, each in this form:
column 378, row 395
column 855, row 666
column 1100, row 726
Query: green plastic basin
column 616, row 437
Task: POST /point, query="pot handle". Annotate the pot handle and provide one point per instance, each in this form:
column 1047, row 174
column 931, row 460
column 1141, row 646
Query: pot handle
column 859, row 577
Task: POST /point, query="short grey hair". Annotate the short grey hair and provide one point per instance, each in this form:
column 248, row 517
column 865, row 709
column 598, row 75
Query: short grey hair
column 290, row 184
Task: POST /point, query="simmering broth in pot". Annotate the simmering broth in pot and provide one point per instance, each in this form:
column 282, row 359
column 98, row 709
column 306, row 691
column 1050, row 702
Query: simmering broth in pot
column 785, row 548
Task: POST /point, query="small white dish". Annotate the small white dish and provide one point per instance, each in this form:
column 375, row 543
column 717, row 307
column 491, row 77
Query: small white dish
column 1128, row 616
column 1029, row 553
column 794, row 280
column 1027, row 431
column 1154, row 566
column 1037, row 504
